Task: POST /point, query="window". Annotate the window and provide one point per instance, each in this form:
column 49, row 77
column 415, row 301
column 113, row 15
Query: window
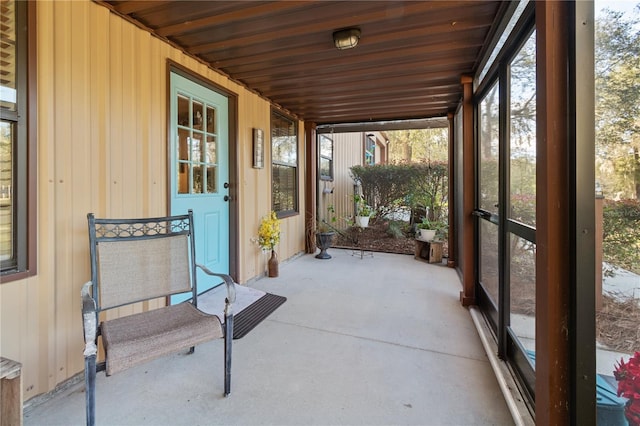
column 17, row 144
column 326, row 158
column 369, row 150
column 197, row 146
column 284, row 165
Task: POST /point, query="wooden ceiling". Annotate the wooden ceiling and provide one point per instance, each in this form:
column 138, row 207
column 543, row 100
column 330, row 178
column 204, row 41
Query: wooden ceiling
column 407, row 65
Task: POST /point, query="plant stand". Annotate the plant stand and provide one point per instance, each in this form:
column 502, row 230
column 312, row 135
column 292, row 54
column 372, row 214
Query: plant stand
column 430, row 251
column 362, row 253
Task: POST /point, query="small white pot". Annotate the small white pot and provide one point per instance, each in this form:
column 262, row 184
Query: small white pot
column 426, row 234
column 362, row 221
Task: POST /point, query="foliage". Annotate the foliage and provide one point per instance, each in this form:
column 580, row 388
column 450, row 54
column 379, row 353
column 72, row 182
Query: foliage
column 429, row 190
column 628, row 376
column 440, row 227
column 621, row 241
column 269, row 231
column 327, row 224
column 362, row 208
column 617, row 82
column 394, row 230
column 418, row 145
column 405, row 185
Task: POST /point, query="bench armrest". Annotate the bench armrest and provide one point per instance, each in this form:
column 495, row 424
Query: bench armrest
column 231, row 288
column 89, row 320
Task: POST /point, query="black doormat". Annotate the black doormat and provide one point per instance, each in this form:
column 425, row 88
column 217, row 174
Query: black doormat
column 253, row 314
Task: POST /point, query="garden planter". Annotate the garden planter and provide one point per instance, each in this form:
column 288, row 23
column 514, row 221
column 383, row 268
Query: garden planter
column 362, row 221
column 426, row 234
column 323, row 241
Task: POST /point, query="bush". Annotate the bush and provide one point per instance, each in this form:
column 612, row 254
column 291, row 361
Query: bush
column 621, row 240
column 421, row 187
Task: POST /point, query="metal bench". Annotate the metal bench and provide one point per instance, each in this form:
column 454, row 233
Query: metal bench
column 134, row 260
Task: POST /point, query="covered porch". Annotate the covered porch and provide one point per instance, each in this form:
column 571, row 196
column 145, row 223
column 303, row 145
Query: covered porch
column 377, row 340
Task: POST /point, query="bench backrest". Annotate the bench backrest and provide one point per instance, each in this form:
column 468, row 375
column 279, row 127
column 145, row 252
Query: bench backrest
column 133, row 260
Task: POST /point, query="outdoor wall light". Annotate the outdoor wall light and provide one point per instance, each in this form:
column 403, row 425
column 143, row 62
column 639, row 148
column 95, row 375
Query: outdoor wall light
column 346, row 39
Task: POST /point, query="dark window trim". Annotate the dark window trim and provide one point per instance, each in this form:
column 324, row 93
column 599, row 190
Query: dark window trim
column 329, row 177
column 369, row 137
column 27, row 266
column 296, row 210
column 508, row 347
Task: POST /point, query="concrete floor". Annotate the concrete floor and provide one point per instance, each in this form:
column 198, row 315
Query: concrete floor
column 380, row 340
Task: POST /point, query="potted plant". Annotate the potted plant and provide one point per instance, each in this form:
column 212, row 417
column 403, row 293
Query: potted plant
column 429, row 229
column 325, row 232
column 363, row 211
column 268, row 237
column 628, row 376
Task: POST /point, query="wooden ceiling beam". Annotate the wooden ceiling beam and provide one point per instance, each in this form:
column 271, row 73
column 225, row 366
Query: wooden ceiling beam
column 449, row 51
column 305, row 28
column 368, row 70
column 400, row 81
column 438, row 33
column 338, row 97
column 230, row 17
column 131, row 7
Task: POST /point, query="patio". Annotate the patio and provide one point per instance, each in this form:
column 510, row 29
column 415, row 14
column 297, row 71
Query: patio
column 377, row 340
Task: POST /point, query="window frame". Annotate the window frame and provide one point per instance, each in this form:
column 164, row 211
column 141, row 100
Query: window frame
column 329, row 158
column 275, row 114
column 25, row 155
column 369, row 140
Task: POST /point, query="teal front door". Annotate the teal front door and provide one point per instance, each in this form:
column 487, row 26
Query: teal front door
column 199, row 171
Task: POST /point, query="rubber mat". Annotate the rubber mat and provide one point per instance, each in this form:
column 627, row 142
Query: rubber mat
column 253, row 314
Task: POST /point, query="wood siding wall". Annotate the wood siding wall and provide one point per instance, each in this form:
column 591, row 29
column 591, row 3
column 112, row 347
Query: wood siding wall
column 102, row 148
column 348, row 151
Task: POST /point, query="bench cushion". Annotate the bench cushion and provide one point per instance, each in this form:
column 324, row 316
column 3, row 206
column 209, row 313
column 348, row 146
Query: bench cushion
column 138, row 338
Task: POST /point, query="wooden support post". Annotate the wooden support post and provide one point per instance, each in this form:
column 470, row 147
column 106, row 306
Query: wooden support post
column 552, row 389
column 311, row 186
column 451, row 242
column 467, row 295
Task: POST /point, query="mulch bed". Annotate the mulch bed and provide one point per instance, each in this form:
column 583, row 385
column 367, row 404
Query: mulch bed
column 374, row 238
column 617, row 324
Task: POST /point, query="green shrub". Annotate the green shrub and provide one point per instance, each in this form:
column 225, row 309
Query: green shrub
column 621, row 239
column 420, row 187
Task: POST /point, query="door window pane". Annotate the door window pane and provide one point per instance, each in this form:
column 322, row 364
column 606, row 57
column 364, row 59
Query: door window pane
column 522, row 134
column 211, row 120
column 183, row 111
column 196, row 147
column 489, row 147
column 198, row 115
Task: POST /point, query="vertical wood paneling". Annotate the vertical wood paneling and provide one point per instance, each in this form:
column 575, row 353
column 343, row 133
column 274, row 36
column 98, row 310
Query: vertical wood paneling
column 102, row 147
column 42, row 307
column 64, row 196
column 347, row 152
column 80, row 185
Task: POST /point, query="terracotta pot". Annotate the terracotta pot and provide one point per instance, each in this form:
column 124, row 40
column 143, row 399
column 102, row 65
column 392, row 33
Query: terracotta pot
column 273, row 264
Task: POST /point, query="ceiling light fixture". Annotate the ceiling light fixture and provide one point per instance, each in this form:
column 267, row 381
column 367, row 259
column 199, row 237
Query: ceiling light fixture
column 346, row 39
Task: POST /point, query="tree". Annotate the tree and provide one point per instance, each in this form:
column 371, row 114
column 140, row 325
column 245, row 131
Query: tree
column 617, row 80
column 418, row 145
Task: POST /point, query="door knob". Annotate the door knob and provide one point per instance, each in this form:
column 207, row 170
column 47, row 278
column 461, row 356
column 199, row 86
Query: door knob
column 226, row 185
column 227, row 198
